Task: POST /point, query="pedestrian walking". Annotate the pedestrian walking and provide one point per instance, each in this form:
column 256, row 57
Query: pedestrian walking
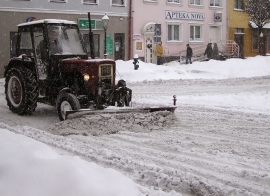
column 159, row 53
column 209, row 51
column 215, row 52
column 189, row 54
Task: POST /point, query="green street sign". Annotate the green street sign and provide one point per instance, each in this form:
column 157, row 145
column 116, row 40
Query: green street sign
column 109, row 46
column 108, row 36
column 84, row 24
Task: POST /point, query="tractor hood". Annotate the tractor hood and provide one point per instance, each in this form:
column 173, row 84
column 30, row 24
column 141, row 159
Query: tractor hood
column 84, row 65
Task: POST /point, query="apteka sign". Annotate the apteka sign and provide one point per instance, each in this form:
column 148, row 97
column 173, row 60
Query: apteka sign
column 174, row 15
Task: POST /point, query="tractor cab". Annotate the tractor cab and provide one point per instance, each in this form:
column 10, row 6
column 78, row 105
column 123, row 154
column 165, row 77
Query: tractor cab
column 48, row 41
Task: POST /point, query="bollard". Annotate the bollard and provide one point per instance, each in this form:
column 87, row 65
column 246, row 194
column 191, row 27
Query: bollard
column 174, row 100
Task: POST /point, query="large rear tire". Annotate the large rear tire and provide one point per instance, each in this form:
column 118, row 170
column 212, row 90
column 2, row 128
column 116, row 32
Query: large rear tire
column 65, row 102
column 21, row 89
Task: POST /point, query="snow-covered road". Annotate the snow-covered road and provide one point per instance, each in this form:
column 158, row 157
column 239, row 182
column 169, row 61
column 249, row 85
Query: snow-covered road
column 202, row 149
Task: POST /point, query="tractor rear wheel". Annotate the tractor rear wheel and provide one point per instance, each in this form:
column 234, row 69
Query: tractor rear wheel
column 65, row 102
column 21, row 89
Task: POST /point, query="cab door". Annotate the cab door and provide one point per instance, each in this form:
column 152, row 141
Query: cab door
column 40, row 53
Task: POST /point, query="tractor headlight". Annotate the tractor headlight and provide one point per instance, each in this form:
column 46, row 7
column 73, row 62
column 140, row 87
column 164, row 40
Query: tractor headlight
column 86, row 77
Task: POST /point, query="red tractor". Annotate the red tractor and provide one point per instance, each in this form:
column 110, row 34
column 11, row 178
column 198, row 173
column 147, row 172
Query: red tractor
column 52, row 67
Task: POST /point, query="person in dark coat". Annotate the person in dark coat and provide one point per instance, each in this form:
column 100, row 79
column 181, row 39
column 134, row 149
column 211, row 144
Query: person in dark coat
column 189, row 54
column 215, row 52
column 209, row 51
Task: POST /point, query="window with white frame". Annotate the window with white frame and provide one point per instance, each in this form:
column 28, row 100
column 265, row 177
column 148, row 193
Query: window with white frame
column 195, row 32
column 118, row 2
column 215, row 3
column 174, row 32
column 238, row 31
column 174, row 1
column 59, row 1
column 195, row 2
column 90, row 1
column 239, row 4
column 150, row 1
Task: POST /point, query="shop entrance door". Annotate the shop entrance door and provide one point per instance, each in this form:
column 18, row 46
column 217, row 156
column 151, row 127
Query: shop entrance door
column 149, row 55
column 119, row 50
column 239, row 39
column 214, row 34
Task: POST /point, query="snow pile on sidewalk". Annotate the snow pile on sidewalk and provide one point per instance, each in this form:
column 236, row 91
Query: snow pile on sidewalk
column 39, row 170
column 100, row 124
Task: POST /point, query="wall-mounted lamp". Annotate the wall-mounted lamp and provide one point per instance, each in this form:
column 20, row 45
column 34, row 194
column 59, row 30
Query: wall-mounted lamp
column 121, row 18
column 261, row 35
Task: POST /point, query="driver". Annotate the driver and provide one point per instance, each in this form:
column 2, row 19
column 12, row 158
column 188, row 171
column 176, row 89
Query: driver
column 54, row 44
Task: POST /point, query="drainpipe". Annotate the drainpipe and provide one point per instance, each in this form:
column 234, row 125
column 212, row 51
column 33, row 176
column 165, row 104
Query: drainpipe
column 129, row 30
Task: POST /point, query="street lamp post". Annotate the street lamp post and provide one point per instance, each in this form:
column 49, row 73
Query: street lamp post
column 105, row 20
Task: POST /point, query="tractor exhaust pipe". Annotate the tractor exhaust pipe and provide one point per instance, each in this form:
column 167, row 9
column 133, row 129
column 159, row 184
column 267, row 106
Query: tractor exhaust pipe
column 91, row 37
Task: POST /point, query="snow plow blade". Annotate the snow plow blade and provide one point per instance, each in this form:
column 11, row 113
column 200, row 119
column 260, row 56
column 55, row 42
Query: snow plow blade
column 82, row 112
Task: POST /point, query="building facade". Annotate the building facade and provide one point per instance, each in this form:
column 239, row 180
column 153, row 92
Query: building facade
column 14, row 12
column 176, row 23
column 244, row 32
column 238, row 27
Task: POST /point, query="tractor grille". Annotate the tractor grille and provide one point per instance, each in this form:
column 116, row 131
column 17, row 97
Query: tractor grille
column 106, row 75
column 106, row 70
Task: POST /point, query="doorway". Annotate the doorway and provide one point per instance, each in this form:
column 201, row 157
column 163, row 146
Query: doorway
column 149, row 43
column 239, row 39
column 119, row 49
column 214, row 34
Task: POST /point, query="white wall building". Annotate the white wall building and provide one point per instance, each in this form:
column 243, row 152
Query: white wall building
column 193, row 22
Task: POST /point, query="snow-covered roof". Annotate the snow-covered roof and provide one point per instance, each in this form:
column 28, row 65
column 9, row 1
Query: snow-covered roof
column 253, row 25
column 48, row 21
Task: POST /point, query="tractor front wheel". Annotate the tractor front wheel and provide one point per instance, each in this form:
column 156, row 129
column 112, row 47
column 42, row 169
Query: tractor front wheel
column 66, row 102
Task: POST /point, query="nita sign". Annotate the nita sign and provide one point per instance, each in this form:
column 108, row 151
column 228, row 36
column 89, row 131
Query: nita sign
column 174, row 15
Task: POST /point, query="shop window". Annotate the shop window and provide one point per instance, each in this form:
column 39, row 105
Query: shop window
column 215, row 3
column 239, row 4
column 195, row 33
column 118, row 2
column 195, row 2
column 90, row 1
column 96, row 44
column 174, row 32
